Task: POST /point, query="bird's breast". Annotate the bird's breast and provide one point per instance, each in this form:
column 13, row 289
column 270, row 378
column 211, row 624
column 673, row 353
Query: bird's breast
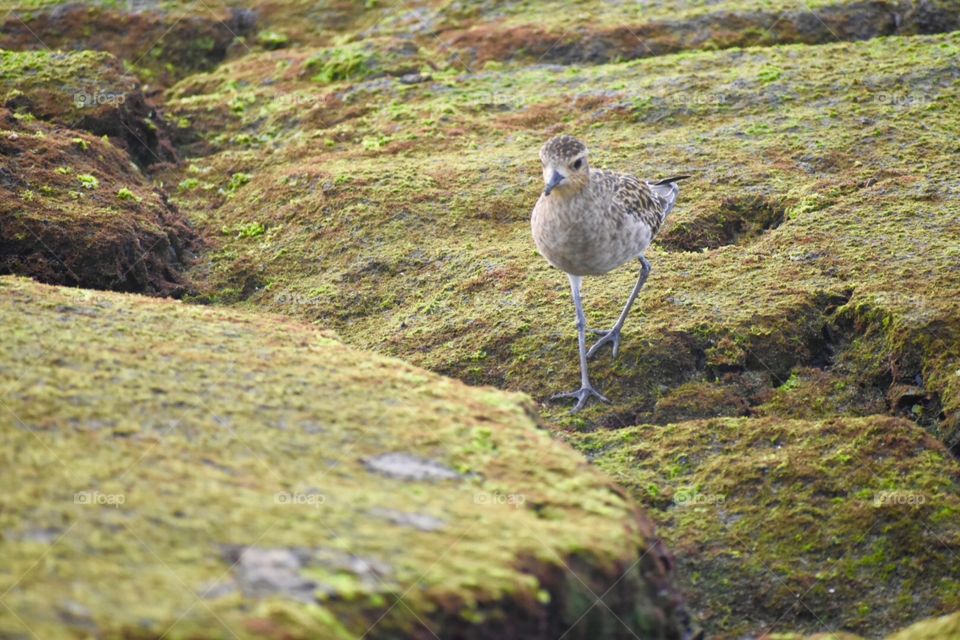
column 581, row 239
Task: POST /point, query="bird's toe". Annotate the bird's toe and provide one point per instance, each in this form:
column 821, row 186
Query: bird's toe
column 611, row 337
column 582, row 396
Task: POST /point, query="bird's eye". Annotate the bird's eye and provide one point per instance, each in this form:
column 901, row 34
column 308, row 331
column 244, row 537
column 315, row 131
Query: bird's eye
column 578, row 163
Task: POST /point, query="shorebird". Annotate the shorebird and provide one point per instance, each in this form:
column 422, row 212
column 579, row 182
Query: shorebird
column 588, row 222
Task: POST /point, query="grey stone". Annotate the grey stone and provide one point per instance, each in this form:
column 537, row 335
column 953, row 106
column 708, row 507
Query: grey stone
column 409, row 467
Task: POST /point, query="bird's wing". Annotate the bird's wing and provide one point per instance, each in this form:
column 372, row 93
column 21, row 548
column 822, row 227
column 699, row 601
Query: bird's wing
column 666, row 192
column 634, row 197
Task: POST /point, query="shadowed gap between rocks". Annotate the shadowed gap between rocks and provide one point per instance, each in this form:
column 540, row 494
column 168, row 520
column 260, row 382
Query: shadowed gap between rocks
column 699, row 388
column 854, row 21
column 735, row 220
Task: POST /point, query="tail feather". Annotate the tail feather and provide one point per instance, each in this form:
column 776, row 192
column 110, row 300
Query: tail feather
column 669, row 180
column 668, row 190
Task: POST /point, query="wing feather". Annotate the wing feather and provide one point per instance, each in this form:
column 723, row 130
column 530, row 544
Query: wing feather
column 634, row 197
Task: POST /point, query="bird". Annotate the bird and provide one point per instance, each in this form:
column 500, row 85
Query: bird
column 588, row 222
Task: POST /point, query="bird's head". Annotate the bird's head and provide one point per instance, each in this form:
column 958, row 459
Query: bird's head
column 565, row 168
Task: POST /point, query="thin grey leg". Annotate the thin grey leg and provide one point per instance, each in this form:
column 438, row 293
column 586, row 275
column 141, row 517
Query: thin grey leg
column 613, row 336
column 586, row 389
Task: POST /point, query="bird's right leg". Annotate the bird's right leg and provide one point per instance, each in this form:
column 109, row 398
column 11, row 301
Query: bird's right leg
column 586, row 390
column 613, row 336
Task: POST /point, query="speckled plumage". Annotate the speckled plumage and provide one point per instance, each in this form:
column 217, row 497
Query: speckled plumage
column 611, row 219
column 589, row 222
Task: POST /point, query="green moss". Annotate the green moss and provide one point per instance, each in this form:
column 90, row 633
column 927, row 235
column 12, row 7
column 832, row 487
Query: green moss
column 813, row 512
column 179, row 435
column 943, row 628
column 769, row 74
column 349, row 62
column 247, row 230
column 126, row 194
column 238, row 180
column 272, row 40
column 430, row 242
column 88, row 181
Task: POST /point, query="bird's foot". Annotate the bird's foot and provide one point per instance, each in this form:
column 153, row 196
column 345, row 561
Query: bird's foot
column 583, row 394
column 612, row 336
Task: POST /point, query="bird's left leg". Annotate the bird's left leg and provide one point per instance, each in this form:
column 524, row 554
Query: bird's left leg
column 613, row 336
column 586, row 390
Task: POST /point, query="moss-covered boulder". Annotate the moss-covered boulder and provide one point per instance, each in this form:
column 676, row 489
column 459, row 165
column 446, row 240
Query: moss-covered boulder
column 372, row 170
column 75, row 210
column 819, row 232
column 848, row 523
column 162, row 42
column 809, row 272
column 183, row 471
column 943, row 628
column 167, row 41
column 596, row 32
column 86, row 90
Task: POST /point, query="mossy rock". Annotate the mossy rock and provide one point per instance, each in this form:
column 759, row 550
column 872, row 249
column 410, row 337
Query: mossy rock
column 700, row 400
column 162, row 43
column 198, row 472
column 169, row 40
column 808, row 272
column 87, row 90
column 288, row 91
column 845, row 523
column 398, row 214
column 596, row 33
column 75, row 210
column 817, row 636
column 943, row 628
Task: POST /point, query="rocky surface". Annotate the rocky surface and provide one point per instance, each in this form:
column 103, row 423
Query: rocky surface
column 158, row 40
column 192, row 472
column 401, row 221
column 75, row 210
column 850, row 523
column 90, row 91
column 942, row 628
column 399, row 216
column 75, row 206
column 787, row 397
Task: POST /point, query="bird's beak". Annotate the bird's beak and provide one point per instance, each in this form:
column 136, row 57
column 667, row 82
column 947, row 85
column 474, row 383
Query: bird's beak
column 555, row 179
